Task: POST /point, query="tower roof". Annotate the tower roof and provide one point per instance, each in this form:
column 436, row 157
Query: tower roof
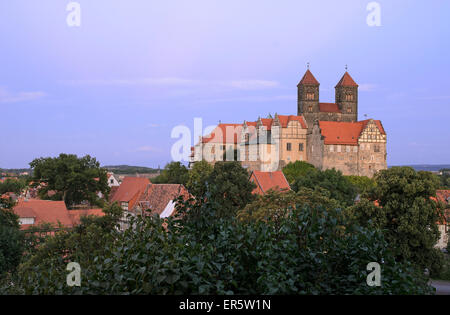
column 308, row 78
column 346, row 80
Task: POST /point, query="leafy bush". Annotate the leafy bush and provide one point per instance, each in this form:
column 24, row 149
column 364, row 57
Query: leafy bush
column 311, row 251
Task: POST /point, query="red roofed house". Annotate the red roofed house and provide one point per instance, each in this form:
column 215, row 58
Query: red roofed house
column 34, row 212
column 266, row 181
column 443, row 196
column 160, row 199
column 129, row 192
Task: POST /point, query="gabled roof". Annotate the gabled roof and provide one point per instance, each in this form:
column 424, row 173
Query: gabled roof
column 269, row 180
column 284, row 120
column 346, row 80
column 130, row 189
column 336, row 132
column 158, row 196
column 329, row 108
column 308, row 79
column 43, row 211
column 267, row 122
column 219, row 134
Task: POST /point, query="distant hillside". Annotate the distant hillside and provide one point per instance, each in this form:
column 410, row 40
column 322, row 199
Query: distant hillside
column 127, row 169
column 427, row 167
column 15, row 170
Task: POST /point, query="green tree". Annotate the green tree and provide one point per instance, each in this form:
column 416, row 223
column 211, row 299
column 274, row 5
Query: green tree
column 11, row 240
column 307, row 253
column 445, row 178
column 198, row 178
column 406, row 213
column 229, row 188
column 173, row 173
column 73, row 179
column 340, row 188
column 275, row 206
column 363, row 184
column 13, row 185
column 292, row 171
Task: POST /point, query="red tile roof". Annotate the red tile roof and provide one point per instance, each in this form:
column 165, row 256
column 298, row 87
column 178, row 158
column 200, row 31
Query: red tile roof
column 266, row 181
column 284, row 120
column 267, row 122
column 75, row 215
column 224, row 133
column 443, row 196
column 158, row 196
column 308, row 79
column 336, row 132
column 43, row 211
column 329, row 108
column 130, row 190
column 346, row 80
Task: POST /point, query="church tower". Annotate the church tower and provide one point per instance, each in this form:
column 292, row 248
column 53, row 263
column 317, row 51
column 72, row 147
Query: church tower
column 347, row 98
column 308, row 98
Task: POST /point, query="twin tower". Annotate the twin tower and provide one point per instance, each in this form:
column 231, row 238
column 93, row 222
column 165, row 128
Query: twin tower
column 344, row 109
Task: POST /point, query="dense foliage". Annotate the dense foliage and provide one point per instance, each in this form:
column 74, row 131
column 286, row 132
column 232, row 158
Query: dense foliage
column 362, row 184
column 229, row 188
column 297, row 169
column 173, row 173
column 11, row 242
column 311, row 251
column 407, row 214
column 13, row 185
column 445, row 178
column 72, row 179
column 198, row 179
column 339, row 186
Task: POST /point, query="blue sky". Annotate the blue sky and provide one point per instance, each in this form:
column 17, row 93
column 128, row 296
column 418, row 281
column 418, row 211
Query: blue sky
column 116, row 86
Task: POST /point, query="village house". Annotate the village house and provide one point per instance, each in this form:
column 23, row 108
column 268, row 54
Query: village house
column 266, row 181
column 443, row 196
column 35, row 212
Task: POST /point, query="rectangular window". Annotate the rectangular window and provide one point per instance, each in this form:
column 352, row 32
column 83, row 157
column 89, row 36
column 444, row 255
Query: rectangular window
column 300, row 147
column 124, row 205
column 376, row 148
column 338, row 148
column 288, row 146
column 29, row 221
column 331, row 148
column 347, row 148
column 355, row 149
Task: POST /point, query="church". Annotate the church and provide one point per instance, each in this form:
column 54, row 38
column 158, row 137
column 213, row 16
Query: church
column 327, row 135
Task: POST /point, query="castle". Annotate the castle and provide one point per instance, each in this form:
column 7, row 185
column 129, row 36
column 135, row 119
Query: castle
column 327, row 135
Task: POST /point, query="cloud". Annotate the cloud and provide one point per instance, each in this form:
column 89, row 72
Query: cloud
column 367, row 87
column 177, row 82
column 9, row 97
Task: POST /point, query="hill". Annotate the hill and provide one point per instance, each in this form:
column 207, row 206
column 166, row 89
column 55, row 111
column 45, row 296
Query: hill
column 427, row 167
column 128, row 169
